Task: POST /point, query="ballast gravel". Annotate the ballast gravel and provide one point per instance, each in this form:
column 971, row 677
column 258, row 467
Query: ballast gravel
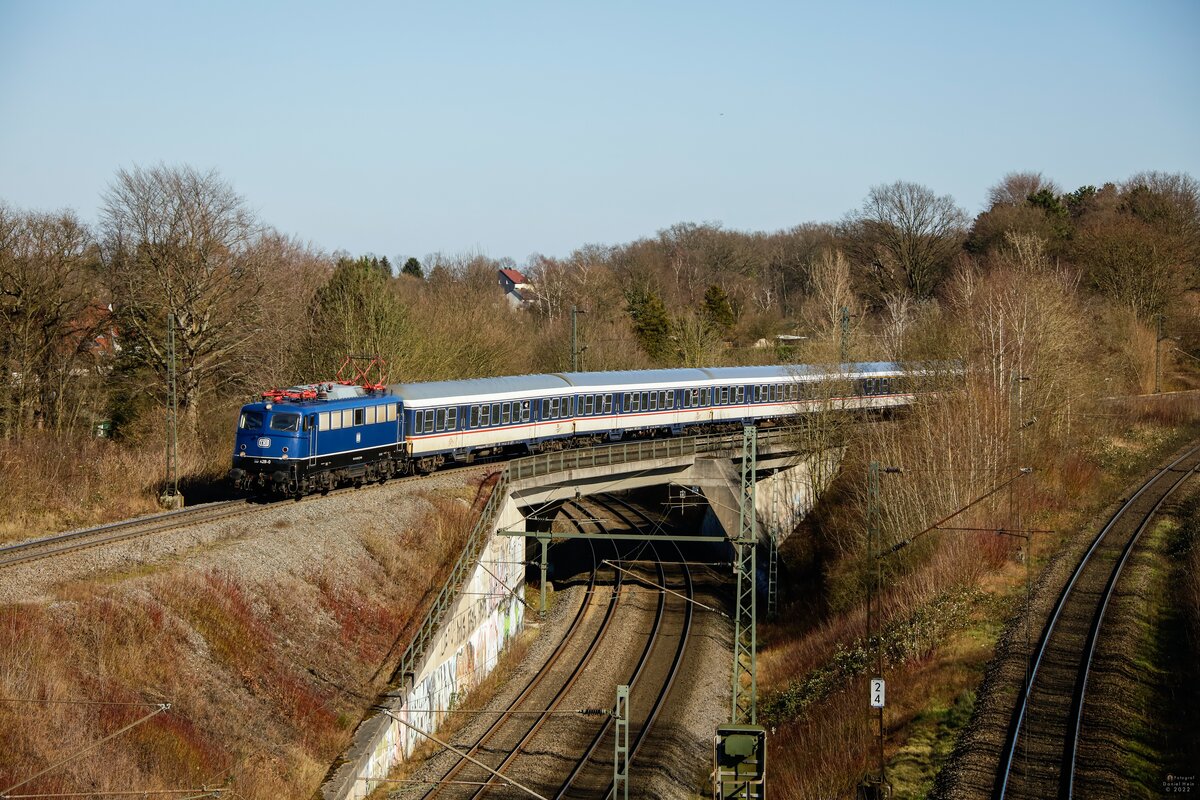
column 279, row 539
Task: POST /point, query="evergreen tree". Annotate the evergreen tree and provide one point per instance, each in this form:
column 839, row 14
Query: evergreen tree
column 717, row 310
column 413, row 267
column 651, row 323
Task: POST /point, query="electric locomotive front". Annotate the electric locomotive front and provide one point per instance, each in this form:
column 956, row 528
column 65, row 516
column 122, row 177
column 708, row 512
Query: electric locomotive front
column 272, row 439
column 310, row 438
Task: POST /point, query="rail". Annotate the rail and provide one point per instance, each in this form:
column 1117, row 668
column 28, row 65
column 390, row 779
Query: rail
column 547, row 464
column 1050, row 650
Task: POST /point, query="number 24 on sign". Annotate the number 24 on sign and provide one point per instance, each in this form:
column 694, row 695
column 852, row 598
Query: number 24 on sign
column 877, row 693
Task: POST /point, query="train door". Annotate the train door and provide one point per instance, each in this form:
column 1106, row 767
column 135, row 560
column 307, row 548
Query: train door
column 396, row 411
column 310, row 427
column 453, row 426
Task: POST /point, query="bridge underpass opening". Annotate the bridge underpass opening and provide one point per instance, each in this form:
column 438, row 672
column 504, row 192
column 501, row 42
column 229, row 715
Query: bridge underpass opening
column 577, row 535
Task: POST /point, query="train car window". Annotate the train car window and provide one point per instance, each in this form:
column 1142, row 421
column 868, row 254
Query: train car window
column 505, row 413
column 323, row 421
column 588, row 404
column 670, row 399
column 360, row 414
column 347, row 417
column 429, row 421
column 485, row 415
column 608, row 403
column 724, row 395
column 391, row 411
column 553, row 408
column 662, row 399
column 474, row 418
column 335, row 420
column 310, row 422
column 741, row 395
column 495, row 413
column 370, row 415
column 653, row 398
column 440, row 420
column 452, row 419
column 525, row 412
column 625, row 402
column 545, row 412
column 285, row 422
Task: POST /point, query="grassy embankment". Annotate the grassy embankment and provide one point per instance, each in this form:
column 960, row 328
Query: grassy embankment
column 56, row 482
column 1143, row 695
column 943, row 619
column 268, row 644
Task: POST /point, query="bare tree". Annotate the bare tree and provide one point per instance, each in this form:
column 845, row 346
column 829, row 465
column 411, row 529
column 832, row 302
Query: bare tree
column 179, row 241
column 48, row 315
column 829, row 276
column 697, row 341
column 1016, row 187
column 906, row 236
column 898, row 312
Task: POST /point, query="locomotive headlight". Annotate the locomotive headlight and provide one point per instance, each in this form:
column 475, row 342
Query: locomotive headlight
column 285, row 449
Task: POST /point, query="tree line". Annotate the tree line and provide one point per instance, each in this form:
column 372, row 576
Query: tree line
column 84, row 309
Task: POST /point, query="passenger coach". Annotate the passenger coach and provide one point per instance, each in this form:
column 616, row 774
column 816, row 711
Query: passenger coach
column 312, row 437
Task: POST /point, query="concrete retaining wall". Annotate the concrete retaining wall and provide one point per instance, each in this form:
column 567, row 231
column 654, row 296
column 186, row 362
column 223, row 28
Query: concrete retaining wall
column 486, row 615
column 782, row 500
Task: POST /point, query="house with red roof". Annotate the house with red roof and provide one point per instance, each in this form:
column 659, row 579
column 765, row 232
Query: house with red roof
column 517, row 290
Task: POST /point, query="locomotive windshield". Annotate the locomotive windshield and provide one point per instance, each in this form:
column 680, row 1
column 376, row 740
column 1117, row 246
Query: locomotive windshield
column 251, row 421
column 285, row 422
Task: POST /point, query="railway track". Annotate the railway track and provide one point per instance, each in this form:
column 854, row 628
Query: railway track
column 19, row 553
column 592, row 775
column 12, row 555
column 1040, row 755
column 537, row 734
column 545, row 691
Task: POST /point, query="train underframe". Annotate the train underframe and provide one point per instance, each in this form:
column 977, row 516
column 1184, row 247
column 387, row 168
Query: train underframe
column 322, row 474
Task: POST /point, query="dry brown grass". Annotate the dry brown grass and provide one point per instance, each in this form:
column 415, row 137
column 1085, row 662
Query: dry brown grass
column 812, row 672
column 59, row 482
column 266, row 682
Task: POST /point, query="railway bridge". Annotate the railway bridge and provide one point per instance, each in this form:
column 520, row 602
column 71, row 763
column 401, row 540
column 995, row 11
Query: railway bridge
column 482, row 604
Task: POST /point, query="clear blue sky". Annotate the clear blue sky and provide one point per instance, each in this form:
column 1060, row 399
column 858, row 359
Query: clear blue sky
column 509, row 128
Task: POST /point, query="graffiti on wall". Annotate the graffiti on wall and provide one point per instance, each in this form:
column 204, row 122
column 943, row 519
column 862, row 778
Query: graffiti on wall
column 487, row 614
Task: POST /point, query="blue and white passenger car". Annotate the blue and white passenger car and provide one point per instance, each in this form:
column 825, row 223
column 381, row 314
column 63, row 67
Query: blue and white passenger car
column 311, row 438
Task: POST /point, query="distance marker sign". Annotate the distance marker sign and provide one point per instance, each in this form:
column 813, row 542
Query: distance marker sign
column 877, row 693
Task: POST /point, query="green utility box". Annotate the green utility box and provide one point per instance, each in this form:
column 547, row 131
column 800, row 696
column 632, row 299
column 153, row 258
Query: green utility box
column 740, row 763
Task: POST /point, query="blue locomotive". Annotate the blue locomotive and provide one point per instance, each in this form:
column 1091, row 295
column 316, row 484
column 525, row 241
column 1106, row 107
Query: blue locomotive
column 312, row 438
